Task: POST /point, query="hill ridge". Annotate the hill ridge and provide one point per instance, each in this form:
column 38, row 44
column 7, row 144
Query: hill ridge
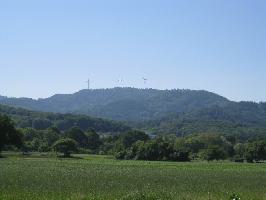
column 129, row 104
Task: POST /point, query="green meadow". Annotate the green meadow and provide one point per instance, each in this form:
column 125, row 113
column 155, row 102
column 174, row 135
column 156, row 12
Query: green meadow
column 102, row 177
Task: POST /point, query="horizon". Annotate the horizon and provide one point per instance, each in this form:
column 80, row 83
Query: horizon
column 54, row 47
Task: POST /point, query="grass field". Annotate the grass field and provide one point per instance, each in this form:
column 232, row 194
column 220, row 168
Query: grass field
column 100, row 177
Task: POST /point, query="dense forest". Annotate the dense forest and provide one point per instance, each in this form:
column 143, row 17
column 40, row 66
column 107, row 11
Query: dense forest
column 246, row 119
column 235, row 119
column 41, row 121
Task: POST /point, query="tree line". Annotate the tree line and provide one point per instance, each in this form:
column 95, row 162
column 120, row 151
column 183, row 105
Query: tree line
column 206, row 146
column 132, row 144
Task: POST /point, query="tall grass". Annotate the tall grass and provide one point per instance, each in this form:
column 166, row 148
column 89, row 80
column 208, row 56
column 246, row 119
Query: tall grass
column 103, row 178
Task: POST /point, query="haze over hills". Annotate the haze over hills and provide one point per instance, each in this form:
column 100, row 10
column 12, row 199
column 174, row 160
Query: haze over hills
column 124, row 104
column 157, row 111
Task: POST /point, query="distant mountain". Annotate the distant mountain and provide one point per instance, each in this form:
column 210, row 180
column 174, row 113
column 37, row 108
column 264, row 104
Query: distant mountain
column 41, row 120
column 125, row 104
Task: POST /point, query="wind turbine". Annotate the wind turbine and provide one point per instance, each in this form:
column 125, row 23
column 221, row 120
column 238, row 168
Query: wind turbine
column 120, row 81
column 88, row 81
column 145, row 80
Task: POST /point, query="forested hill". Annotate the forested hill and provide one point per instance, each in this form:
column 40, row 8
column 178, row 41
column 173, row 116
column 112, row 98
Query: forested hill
column 41, row 120
column 249, row 113
column 157, row 111
column 247, row 119
column 125, row 104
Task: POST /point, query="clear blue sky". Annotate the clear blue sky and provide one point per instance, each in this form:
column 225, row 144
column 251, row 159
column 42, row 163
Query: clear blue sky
column 53, row 46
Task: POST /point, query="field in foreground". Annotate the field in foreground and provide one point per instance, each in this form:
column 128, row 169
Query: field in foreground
column 99, row 177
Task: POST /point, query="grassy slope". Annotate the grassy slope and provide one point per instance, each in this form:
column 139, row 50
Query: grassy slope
column 97, row 177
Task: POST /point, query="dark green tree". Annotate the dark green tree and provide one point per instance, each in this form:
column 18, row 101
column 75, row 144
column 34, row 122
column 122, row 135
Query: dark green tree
column 94, row 140
column 79, row 136
column 50, row 136
column 29, row 134
column 8, row 133
column 261, row 148
column 131, row 137
column 256, row 151
column 213, row 153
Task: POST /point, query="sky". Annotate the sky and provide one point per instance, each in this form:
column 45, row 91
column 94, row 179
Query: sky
column 54, row 46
